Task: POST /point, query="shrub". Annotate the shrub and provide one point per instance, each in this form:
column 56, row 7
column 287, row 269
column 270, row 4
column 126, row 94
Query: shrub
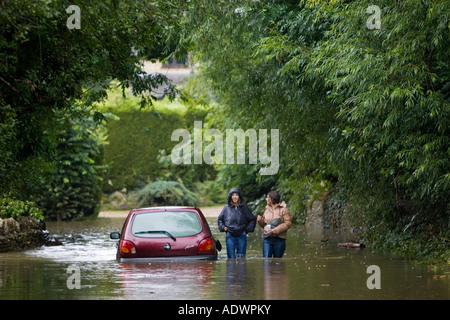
column 73, row 191
column 210, row 193
column 166, row 193
column 10, row 208
column 136, row 138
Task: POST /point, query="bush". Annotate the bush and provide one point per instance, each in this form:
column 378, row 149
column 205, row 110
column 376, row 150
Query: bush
column 10, row 208
column 211, row 193
column 166, row 193
column 136, row 139
column 73, row 191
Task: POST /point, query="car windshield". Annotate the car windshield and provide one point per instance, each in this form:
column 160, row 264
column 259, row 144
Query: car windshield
column 170, row 223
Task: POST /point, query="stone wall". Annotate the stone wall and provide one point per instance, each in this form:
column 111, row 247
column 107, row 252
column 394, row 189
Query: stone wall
column 333, row 217
column 24, row 233
column 314, row 218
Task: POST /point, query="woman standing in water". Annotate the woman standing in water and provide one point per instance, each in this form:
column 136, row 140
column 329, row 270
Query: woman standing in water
column 236, row 219
column 275, row 221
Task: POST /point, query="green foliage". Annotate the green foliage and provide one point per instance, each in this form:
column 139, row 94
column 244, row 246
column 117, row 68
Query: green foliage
column 46, row 68
column 134, row 143
column 245, row 177
column 417, row 238
column 166, row 193
column 138, row 149
column 259, row 95
column 366, row 109
column 392, row 95
column 10, row 208
column 193, row 176
column 302, row 191
column 139, row 143
column 209, row 192
column 73, row 189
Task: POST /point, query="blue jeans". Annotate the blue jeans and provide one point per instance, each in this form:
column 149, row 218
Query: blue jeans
column 273, row 247
column 236, row 246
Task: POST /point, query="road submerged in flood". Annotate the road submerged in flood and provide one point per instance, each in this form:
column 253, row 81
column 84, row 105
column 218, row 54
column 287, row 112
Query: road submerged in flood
column 311, row 269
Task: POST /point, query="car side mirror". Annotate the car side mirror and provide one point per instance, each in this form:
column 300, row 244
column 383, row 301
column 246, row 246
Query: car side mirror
column 114, row 235
column 218, row 245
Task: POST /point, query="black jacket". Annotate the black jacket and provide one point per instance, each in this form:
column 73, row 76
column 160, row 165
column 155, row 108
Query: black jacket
column 236, row 219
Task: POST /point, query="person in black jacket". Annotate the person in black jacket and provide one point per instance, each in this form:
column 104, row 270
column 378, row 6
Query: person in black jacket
column 236, row 219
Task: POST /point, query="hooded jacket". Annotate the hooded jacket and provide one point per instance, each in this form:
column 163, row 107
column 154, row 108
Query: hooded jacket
column 238, row 219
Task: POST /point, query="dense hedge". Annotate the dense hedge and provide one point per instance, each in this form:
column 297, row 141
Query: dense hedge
column 136, row 138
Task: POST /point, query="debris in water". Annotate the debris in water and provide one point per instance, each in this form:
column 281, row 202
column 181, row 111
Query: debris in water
column 351, row 245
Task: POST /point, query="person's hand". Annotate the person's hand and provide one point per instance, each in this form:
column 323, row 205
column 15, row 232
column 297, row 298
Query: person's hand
column 225, row 229
column 258, row 218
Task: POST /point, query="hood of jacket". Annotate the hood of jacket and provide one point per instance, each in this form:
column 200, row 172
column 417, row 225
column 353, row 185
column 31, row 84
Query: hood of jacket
column 234, row 190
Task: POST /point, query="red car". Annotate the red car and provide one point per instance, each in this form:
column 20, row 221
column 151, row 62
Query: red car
column 166, row 233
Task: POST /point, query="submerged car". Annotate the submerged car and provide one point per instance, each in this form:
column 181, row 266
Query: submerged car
column 166, row 233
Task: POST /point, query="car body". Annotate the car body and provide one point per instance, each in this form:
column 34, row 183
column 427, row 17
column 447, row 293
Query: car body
column 165, row 233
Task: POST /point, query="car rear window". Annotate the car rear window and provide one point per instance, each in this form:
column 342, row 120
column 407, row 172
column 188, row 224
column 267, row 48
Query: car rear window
column 176, row 223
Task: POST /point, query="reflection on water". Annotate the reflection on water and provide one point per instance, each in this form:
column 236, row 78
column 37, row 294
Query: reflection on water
column 311, row 269
column 167, row 281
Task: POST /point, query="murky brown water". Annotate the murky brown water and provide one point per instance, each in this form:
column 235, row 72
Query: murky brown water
column 311, row 269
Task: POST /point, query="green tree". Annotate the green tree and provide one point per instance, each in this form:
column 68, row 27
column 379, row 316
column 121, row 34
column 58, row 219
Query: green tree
column 47, row 68
column 74, row 187
column 367, row 109
column 253, row 91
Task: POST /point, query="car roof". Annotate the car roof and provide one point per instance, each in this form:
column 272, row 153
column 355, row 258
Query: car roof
column 163, row 208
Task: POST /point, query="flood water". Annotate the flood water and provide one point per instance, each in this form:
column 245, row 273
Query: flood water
column 311, row 269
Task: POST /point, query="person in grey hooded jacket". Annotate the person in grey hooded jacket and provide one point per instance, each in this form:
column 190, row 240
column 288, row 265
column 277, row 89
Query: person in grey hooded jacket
column 237, row 220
